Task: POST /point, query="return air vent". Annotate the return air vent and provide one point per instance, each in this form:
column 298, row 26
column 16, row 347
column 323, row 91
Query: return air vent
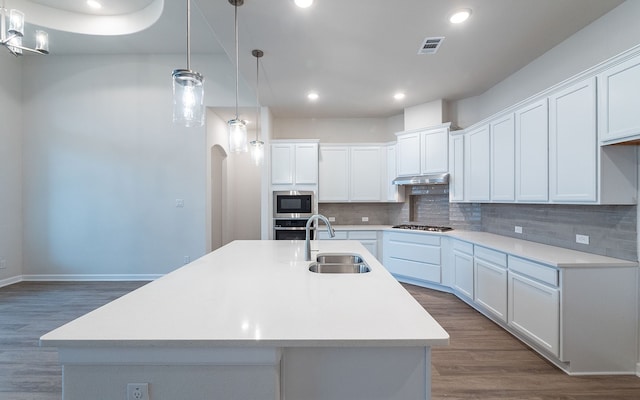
column 430, row 45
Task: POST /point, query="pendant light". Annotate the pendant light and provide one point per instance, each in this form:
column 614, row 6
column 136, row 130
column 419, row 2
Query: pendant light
column 257, row 146
column 188, row 89
column 237, row 127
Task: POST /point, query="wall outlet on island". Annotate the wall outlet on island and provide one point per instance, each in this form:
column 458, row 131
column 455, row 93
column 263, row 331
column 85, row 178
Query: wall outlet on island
column 3, row 263
column 365, row 219
column 332, row 219
column 582, row 239
column 138, row 391
column 518, row 229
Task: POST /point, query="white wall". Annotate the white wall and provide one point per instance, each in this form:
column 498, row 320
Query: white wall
column 424, row 115
column 10, row 166
column 104, row 164
column 604, row 38
column 336, row 130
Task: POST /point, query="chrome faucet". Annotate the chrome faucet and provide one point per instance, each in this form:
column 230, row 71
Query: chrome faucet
column 307, row 242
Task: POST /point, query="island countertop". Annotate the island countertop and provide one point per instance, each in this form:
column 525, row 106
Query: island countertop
column 260, row 293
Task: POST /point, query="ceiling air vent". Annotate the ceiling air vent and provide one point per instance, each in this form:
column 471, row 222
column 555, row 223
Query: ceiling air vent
column 430, row 45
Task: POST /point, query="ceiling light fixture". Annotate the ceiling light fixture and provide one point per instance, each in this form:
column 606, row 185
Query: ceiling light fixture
column 313, row 96
column 11, row 37
column 94, row 4
column 460, row 16
column 257, row 146
column 188, row 89
column 399, row 96
column 237, row 127
column 304, row 3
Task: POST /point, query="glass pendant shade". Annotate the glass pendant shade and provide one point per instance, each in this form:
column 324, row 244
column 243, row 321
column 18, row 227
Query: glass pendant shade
column 16, row 22
column 237, row 136
column 188, row 98
column 257, row 151
column 42, row 42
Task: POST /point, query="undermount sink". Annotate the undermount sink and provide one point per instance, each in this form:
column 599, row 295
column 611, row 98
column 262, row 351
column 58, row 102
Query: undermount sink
column 339, row 268
column 339, row 259
column 339, row 264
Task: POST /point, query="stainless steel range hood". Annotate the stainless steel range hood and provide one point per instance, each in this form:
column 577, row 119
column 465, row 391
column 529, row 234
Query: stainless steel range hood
column 431, row 179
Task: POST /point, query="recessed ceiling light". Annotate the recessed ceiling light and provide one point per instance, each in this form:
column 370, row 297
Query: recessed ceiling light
column 94, row 4
column 399, row 96
column 460, row 16
column 312, row 96
column 304, row 3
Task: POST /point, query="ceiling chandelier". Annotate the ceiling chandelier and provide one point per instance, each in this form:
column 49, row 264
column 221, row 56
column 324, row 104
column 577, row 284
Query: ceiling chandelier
column 188, row 89
column 257, row 146
column 11, row 37
column 237, row 127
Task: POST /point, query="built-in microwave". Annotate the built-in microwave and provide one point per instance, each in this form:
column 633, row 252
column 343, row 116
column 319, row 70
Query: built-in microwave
column 293, row 204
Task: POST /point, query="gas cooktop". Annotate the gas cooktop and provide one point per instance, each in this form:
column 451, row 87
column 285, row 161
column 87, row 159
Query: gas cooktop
column 428, row 228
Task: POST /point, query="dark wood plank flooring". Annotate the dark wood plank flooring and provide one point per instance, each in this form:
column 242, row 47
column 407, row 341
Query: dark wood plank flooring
column 482, row 361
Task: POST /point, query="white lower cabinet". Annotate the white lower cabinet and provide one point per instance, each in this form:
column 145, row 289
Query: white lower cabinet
column 534, row 303
column 462, row 263
column 369, row 239
column 490, row 283
column 412, row 257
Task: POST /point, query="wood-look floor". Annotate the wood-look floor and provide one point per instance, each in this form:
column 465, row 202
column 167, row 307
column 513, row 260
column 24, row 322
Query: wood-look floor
column 482, row 361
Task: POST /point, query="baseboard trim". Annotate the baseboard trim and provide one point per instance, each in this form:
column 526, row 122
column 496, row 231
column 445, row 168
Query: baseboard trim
column 10, row 281
column 89, row 277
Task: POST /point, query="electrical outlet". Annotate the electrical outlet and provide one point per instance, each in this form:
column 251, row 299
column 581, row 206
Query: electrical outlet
column 582, row 239
column 3, row 263
column 365, row 219
column 180, row 203
column 187, row 259
column 332, row 219
column 518, row 229
column 138, row 391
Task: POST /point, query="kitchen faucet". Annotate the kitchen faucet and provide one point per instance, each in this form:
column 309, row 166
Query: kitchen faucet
column 307, row 242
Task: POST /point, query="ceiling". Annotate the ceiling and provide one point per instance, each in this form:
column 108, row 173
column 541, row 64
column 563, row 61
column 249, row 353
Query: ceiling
column 356, row 54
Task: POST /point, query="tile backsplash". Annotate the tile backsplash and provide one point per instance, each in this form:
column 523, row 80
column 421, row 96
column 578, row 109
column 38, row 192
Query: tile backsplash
column 612, row 230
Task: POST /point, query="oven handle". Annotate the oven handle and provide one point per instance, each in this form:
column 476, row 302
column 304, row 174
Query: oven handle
column 280, row 228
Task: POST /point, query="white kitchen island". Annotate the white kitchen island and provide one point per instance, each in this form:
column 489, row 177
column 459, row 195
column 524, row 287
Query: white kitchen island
column 250, row 321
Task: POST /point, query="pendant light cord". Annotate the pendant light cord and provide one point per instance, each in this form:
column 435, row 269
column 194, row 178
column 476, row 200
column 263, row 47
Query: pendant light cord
column 237, row 57
column 257, row 95
column 189, row 35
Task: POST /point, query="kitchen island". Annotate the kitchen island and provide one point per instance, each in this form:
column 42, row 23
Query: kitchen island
column 250, row 321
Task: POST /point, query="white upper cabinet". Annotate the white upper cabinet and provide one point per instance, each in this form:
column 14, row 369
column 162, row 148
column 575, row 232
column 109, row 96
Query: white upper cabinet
column 503, row 159
column 456, row 167
column 619, row 102
column 573, row 144
column 394, row 193
column 532, row 182
column 294, row 165
column 477, row 164
column 333, row 174
column 366, row 171
column 424, row 151
column 408, row 151
column 434, row 151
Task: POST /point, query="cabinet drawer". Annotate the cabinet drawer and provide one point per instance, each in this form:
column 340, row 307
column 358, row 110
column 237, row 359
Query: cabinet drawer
column 363, row 235
column 324, row 235
column 418, row 238
column 464, row 247
column 414, row 269
column 534, row 270
column 493, row 256
column 414, row 252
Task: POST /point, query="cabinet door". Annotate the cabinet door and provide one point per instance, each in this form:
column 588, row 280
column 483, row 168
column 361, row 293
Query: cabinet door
column 490, row 286
column 503, row 160
column 463, row 273
column 282, row 160
column 477, row 164
column 531, row 153
column 573, row 144
column 306, row 164
column 534, row 310
column 619, row 101
column 333, row 182
column 435, row 151
column 408, row 148
column 456, row 168
column 394, row 193
column 365, row 167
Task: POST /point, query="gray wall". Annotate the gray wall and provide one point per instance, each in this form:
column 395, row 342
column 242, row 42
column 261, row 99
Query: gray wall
column 10, row 166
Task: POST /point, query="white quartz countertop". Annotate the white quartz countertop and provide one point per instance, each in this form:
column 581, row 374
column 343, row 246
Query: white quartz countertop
column 260, row 293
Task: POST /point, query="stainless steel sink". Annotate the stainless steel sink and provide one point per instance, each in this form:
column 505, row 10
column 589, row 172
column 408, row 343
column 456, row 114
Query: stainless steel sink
column 339, row 263
column 339, row 268
column 339, row 259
